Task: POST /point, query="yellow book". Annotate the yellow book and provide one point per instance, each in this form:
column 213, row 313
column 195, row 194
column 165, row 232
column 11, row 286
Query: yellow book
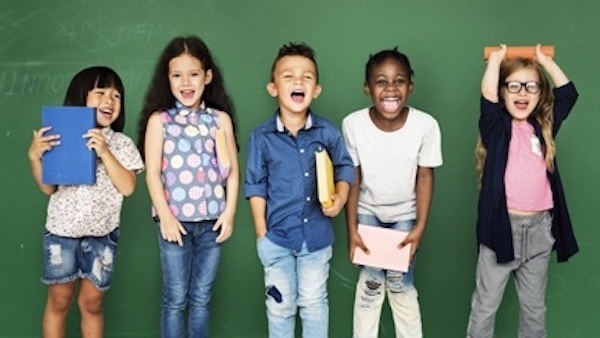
column 325, row 182
column 222, row 153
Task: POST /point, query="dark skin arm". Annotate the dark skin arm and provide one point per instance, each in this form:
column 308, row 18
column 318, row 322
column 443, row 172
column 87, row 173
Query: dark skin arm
column 424, row 192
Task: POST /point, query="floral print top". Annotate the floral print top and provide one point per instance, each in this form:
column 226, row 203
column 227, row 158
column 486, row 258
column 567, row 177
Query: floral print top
column 93, row 210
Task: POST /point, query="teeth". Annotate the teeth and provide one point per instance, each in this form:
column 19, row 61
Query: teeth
column 297, row 96
column 391, row 105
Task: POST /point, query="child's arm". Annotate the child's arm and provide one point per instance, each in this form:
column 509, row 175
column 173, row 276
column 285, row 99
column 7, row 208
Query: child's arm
column 122, row 178
column 491, row 76
column 339, row 199
column 424, row 191
column 558, row 76
column 170, row 228
column 258, row 206
column 354, row 239
column 39, row 146
column 225, row 221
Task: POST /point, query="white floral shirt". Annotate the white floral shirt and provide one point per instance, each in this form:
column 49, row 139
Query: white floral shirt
column 93, row 210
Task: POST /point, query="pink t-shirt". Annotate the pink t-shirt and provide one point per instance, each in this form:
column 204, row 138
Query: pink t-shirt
column 525, row 178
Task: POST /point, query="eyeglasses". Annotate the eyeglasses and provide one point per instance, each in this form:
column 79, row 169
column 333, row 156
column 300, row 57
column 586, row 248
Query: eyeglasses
column 515, row 86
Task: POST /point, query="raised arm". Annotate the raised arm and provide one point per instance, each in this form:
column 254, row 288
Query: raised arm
column 556, row 74
column 491, row 76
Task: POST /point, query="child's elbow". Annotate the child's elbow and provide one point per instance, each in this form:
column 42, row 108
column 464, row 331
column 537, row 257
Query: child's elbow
column 128, row 186
column 127, row 190
column 127, row 193
column 48, row 189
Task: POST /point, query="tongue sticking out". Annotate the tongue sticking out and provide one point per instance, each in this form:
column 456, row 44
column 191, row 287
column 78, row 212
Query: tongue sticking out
column 391, row 106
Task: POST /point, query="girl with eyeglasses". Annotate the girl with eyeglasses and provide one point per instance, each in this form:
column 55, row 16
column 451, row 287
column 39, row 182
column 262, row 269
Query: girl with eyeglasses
column 522, row 212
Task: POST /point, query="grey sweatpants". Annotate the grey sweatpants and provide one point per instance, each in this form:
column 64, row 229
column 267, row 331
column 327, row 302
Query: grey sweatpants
column 532, row 241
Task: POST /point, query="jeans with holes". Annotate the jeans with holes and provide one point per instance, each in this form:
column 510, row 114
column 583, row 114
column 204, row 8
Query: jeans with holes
column 372, row 287
column 188, row 275
column 295, row 280
column 67, row 259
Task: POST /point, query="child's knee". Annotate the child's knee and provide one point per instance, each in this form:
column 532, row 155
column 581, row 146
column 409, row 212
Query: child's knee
column 90, row 298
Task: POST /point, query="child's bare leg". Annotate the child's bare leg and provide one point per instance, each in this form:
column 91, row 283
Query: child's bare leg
column 57, row 308
column 90, row 306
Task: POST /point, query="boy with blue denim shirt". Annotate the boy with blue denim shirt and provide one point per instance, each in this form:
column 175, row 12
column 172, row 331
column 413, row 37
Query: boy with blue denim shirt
column 294, row 233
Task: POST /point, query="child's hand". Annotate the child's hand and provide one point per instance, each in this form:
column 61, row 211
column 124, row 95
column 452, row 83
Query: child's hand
column 41, row 143
column 171, row 230
column 96, row 141
column 355, row 241
column 540, row 57
column 335, row 207
column 498, row 55
column 414, row 238
column 225, row 223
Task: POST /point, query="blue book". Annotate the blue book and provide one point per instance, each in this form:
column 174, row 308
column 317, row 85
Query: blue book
column 71, row 162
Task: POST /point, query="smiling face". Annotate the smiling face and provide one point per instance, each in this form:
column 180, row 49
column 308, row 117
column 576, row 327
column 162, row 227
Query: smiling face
column 294, row 84
column 521, row 104
column 188, row 79
column 389, row 86
column 107, row 102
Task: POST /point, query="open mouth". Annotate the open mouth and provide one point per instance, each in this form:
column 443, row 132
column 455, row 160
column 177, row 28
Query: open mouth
column 521, row 104
column 187, row 94
column 297, row 96
column 391, row 104
column 105, row 112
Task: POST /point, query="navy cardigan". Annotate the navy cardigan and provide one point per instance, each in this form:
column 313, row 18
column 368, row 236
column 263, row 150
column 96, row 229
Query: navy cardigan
column 493, row 225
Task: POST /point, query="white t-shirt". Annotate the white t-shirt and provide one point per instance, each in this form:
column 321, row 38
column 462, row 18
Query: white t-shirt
column 389, row 160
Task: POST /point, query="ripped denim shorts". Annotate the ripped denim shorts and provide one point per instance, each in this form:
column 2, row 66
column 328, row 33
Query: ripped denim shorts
column 67, row 259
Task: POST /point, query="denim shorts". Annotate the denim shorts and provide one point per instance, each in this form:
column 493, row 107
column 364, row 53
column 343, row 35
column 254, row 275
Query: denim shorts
column 67, row 259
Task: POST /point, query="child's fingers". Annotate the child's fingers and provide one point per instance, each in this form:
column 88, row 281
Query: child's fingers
column 359, row 243
column 179, row 239
column 217, row 225
column 173, row 233
column 40, row 132
column 182, row 230
column 224, row 235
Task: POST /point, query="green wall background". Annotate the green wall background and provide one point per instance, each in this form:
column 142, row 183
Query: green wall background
column 43, row 43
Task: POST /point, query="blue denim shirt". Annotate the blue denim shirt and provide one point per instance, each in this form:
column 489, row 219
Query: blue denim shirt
column 281, row 169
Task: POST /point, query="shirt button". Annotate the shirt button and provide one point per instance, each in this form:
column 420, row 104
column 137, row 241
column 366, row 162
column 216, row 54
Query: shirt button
column 305, row 174
column 308, row 198
column 302, row 151
column 306, row 220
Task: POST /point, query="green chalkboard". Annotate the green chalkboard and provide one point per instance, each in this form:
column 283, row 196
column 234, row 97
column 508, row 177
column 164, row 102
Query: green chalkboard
column 43, row 43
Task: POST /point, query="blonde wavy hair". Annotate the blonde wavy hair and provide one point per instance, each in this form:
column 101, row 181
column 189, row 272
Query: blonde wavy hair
column 542, row 113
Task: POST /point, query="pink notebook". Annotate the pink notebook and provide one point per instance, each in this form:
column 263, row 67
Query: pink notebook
column 383, row 247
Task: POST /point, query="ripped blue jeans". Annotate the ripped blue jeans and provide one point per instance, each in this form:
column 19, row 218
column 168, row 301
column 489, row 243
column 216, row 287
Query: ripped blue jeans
column 67, row 259
column 371, row 289
column 295, row 280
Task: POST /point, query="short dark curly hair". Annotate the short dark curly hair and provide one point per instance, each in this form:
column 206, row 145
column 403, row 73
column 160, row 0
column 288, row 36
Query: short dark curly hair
column 294, row 49
column 379, row 57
